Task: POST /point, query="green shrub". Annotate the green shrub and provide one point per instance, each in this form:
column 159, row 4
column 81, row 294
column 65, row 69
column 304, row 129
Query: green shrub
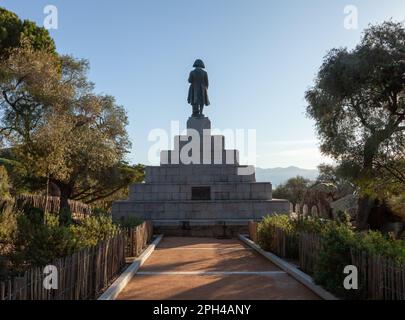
column 376, row 243
column 93, row 229
column 266, row 238
column 65, row 217
column 334, row 256
column 264, row 229
column 40, row 243
column 8, row 224
column 129, row 222
column 4, row 184
column 97, row 211
column 311, row 225
column 338, row 240
column 42, row 239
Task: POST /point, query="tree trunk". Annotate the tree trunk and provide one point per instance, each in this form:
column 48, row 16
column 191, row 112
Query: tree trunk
column 364, row 203
column 363, row 212
column 65, row 216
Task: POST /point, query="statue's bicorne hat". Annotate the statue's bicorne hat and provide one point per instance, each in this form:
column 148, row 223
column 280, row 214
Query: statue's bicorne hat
column 198, row 64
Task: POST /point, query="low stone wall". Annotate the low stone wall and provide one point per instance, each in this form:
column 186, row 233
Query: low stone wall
column 194, row 228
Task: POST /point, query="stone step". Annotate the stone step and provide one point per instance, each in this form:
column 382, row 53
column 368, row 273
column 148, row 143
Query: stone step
column 212, row 142
column 199, row 210
column 198, row 156
column 187, row 174
column 218, row 191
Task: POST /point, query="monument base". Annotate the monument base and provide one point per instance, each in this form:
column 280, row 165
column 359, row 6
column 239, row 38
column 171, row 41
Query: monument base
column 201, row 124
column 201, row 228
column 212, row 198
column 212, row 210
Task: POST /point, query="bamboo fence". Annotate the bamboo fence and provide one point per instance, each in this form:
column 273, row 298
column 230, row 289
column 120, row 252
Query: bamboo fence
column 52, row 204
column 379, row 277
column 83, row 275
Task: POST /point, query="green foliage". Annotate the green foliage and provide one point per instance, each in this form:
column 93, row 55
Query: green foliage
column 10, row 29
column 129, row 222
column 65, row 216
column 8, row 223
column 397, row 204
column 358, row 105
column 59, row 131
column 376, row 243
column 338, row 239
column 93, row 229
column 39, row 239
column 110, row 185
column 293, row 190
column 310, row 225
column 4, row 184
column 335, row 181
column 40, row 243
column 13, row 31
column 38, row 37
column 266, row 237
column 19, row 182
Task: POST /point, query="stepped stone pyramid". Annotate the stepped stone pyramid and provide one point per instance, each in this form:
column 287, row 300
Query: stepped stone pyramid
column 199, row 186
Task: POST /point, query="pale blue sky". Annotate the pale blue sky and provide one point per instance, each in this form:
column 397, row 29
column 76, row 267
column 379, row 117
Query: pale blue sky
column 261, row 56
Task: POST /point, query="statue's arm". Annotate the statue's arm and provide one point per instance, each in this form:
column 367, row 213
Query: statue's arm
column 206, row 79
column 190, row 78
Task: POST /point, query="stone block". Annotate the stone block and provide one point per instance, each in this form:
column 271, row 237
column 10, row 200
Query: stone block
column 138, row 196
column 183, row 196
column 202, row 125
column 173, row 172
column 149, row 196
column 234, row 179
column 243, row 187
column 258, row 187
column 246, row 196
column 161, row 196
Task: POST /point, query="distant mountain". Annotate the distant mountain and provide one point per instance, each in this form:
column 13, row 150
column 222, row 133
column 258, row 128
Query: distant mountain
column 278, row 176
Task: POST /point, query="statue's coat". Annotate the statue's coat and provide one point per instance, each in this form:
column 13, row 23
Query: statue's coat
column 198, row 92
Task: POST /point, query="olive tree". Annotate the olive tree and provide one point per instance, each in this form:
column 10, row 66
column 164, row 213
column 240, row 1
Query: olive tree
column 358, row 103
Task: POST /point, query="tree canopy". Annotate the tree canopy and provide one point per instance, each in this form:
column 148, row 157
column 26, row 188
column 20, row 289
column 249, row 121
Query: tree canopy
column 358, row 103
column 13, row 31
column 293, row 190
column 59, row 128
column 54, row 129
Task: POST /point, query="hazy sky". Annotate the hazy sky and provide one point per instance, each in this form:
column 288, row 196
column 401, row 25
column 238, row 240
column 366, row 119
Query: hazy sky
column 261, row 56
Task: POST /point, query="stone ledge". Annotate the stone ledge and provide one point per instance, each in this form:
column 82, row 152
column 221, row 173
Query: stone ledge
column 293, row 271
column 202, row 222
column 200, row 201
column 118, row 285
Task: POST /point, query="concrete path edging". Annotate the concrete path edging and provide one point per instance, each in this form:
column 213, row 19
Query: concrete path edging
column 302, row 277
column 114, row 290
column 211, row 273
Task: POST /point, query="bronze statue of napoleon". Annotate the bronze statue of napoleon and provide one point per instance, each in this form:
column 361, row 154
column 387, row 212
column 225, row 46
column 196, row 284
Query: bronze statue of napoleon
column 198, row 91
